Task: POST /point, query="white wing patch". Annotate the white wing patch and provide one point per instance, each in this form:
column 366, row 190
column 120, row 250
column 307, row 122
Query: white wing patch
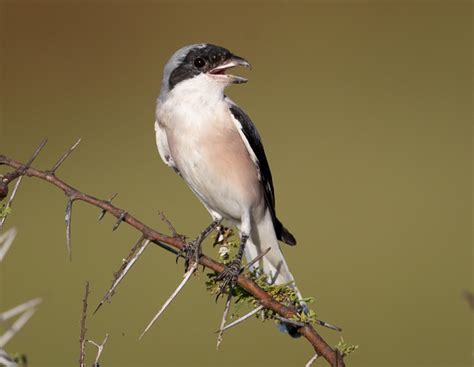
column 254, row 158
column 162, row 144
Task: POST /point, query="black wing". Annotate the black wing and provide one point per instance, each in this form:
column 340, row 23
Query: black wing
column 254, row 141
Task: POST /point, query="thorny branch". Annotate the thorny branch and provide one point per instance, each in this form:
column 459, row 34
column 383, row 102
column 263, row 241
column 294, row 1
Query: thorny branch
column 100, row 348
column 82, row 337
column 170, row 243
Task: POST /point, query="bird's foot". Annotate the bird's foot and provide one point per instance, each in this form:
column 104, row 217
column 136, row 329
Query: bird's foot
column 191, row 253
column 192, row 250
column 229, row 277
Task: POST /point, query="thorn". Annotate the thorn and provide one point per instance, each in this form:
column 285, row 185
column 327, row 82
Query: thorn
column 16, row 326
column 26, row 310
column 312, row 360
column 6, row 241
column 256, row 259
column 20, row 309
column 290, row 321
column 127, row 264
column 67, row 218
column 119, row 220
column 35, row 154
column 243, row 318
column 328, row 325
column 166, row 247
column 187, row 276
column 103, row 211
column 224, row 318
column 64, row 157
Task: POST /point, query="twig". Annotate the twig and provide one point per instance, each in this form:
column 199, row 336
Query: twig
column 6, row 240
column 127, row 264
column 220, row 337
column 241, row 319
column 82, row 338
column 169, row 224
column 64, row 157
column 265, row 299
column 187, row 276
column 312, row 360
column 100, row 348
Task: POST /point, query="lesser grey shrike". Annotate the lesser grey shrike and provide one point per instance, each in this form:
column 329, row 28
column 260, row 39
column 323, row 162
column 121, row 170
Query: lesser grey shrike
column 214, row 146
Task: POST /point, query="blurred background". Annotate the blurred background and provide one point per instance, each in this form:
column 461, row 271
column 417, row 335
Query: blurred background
column 365, row 112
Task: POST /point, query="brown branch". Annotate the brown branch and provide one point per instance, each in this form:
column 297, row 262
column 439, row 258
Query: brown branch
column 171, row 243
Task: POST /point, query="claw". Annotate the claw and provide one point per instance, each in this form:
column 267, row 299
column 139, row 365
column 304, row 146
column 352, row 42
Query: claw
column 191, row 253
column 192, row 250
column 229, row 277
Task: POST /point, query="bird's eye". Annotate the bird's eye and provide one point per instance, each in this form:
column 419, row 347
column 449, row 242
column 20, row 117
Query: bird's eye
column 199, row 63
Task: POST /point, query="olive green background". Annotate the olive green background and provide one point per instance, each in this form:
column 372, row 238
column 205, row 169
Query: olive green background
column 365, row 112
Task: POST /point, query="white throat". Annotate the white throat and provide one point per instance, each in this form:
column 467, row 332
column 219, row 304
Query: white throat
column 192, row 102
column 202, row 86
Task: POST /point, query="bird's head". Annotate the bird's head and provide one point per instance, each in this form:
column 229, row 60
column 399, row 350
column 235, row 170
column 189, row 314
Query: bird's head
column 206, row 61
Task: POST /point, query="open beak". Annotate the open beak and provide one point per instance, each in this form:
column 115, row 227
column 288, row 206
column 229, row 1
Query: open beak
column 220, row 71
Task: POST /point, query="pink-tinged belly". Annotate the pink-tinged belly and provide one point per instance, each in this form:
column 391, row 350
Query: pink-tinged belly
column 221, row 173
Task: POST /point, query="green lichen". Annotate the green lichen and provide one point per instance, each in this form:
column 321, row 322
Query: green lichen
column 345, row 348
column 4, row 211
column 282, row 293
column 308, row 317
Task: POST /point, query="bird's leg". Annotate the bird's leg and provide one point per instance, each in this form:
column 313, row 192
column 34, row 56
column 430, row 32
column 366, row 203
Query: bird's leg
column 231, row 272
column 192, row 250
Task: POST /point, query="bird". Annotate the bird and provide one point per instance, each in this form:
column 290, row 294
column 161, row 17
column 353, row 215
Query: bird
column 213, row 145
